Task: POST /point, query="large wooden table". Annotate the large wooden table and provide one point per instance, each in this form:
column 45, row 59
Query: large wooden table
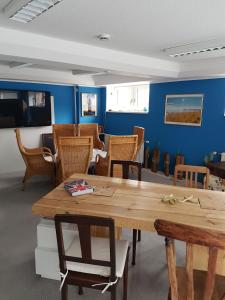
column 137, row 205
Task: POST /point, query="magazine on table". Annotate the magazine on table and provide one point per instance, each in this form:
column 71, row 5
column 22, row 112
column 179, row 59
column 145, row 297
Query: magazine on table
column 78, row 187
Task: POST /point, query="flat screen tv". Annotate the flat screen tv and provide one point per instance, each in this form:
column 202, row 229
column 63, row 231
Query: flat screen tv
column 29, row 109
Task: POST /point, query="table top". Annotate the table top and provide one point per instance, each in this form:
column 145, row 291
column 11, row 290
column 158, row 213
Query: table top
column 134, row 204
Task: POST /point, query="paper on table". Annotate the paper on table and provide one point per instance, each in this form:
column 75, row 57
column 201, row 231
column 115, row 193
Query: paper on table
column 216, row 204
column 107, row 191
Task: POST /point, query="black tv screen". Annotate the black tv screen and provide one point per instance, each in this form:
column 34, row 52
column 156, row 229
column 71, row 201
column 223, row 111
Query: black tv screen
column 28, row 110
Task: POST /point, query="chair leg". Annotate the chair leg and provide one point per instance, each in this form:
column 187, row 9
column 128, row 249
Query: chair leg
column 64, row 292
column 134, row 246
column 80, row 290
column 139, row 235
column 26, row 176
column 125, row 278
column 113, row 292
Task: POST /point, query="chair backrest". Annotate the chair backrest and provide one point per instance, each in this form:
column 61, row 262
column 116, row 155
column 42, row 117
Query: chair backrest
column 126, row 164
column 84, row 224
column 22, row 149
column 31, row 160
column 75, row 154
column 140, row 132
column 89, row 130
column 191, row 175
column 19, row 141
column 62, row 130
column 192, row 236
column 121, row 148
column 47, row 141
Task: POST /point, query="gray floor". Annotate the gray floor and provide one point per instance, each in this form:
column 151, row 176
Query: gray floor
column 147, row 280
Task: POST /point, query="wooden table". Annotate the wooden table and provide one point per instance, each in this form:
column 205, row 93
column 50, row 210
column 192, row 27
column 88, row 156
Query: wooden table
column 137, row 205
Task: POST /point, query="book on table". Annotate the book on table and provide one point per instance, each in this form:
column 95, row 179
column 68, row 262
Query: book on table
column 78, row 187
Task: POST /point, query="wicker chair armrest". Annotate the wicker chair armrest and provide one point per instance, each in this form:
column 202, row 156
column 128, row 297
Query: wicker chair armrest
column 48, row 154
column 39, row 150
column 45, row 149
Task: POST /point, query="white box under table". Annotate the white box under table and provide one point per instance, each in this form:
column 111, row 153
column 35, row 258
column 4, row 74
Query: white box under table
column 46, row 252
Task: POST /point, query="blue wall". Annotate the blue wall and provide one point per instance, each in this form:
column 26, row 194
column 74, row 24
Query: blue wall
column 63, row 97
column 193, row 142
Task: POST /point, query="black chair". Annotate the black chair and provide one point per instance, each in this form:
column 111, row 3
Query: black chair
column 126, row 165
column 47, row 141
column 92, row 262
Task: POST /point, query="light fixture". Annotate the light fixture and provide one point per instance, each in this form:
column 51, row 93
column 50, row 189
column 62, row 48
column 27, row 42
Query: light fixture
column 104, row 37
column 200, row 47
column 197, row 51
column 32, row 10
column 18, row 65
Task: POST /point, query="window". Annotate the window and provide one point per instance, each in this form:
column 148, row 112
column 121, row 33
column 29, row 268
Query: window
column 133, row 98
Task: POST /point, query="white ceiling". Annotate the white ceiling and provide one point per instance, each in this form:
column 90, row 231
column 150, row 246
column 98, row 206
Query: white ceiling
column 141, row 28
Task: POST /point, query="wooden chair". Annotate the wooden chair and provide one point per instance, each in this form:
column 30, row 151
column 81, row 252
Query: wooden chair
column 191, row 175
column 35, row 161
column 91, row 130
column 89, row 261
column 119, row 148
column 126, row 164
column 75, row 154
column 185, row 282
column 140, row 132
column 62, row 130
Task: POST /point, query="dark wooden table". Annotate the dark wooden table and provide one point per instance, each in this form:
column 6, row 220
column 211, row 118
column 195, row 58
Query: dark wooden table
column 217, row 168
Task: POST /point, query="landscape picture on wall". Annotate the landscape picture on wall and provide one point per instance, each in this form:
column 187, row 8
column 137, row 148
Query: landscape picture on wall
column 89, row 104
column 184, row 109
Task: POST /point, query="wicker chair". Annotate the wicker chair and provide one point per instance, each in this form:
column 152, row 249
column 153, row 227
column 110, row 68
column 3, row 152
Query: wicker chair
column 91, row 130
column 35, row 161
column 75, row 154
column 140, row 132
column 60, row 130
column 119, row 148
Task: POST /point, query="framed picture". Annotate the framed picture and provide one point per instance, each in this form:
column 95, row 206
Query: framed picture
column 184, row 109
column 88, row 104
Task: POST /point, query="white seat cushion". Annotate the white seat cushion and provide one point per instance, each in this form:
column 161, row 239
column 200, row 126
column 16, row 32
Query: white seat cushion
column 48, row 158
column 100, row 251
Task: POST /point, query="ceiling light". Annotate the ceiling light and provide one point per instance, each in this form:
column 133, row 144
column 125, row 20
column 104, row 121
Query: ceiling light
column 197, row 51
column 18, row 65
column 196, row 48
column 104, row 37
column 33, row 9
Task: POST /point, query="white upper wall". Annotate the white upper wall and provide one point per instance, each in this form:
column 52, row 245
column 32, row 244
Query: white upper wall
column 64, row 39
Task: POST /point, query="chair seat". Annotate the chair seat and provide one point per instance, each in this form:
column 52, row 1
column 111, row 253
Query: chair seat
column 100, row 251
column 199, row 285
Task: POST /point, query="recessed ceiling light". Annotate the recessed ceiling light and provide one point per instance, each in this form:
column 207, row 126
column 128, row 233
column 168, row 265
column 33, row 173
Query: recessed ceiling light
column 197, row 51
column 18, row 65
column 33, row 9
column 104, row 37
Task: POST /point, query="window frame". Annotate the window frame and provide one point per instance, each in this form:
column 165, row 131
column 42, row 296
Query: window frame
column 134, row 85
